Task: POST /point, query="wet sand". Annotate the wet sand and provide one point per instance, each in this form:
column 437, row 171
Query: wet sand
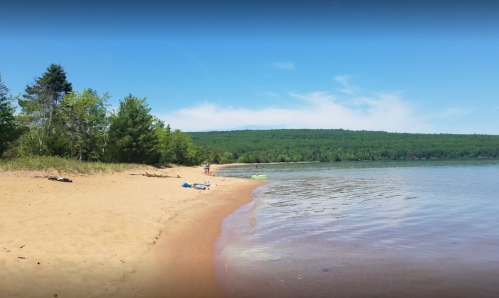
column 113, row 235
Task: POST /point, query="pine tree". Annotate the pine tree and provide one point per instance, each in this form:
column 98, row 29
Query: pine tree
column 9, row 130
column 40, row 104
column 132, row 136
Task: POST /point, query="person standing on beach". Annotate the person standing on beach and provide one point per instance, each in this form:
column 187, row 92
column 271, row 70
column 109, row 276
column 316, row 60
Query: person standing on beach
column 207, row 168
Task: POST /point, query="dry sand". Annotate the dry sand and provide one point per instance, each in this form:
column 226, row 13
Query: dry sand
column 113, row 235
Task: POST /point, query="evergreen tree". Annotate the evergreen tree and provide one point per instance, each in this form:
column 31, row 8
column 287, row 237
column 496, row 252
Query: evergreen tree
column 9, row 130
column 132, row 137
column 39, row 107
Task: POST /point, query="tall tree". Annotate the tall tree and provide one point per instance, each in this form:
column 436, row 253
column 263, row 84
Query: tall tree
column 164, row 139
column 9, row 130
column 182, row 151
column 177, row 147
column 132, row 137
column 84, row 121
column 39, row 106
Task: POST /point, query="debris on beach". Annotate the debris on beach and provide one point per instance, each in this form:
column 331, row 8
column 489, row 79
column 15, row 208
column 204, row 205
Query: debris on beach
column 60, row 179
column 194, row 185
column 157, row 175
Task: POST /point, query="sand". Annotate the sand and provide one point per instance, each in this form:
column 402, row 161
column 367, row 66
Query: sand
column 113, row 235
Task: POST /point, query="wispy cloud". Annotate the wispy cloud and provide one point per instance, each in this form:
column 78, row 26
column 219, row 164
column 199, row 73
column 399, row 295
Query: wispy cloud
column 457, row 111
column 347, row 87
column 284, row 65
column 270, row 94
column 388, row 112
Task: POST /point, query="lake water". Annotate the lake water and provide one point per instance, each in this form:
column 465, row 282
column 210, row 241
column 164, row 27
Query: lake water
column 365, row 229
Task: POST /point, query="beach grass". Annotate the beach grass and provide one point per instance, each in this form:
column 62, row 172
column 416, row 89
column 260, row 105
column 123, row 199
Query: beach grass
column 65, row 165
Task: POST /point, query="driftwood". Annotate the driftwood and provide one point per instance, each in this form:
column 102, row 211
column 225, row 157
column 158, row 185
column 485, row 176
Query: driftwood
column 157, row 175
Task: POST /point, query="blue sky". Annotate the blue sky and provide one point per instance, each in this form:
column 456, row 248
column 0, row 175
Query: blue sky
column 396, row 66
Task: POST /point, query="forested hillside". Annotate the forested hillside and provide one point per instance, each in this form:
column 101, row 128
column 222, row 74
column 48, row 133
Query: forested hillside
column 282, row 145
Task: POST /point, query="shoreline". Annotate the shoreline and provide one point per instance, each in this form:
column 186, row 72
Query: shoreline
column 199, row 232
column 114, row 235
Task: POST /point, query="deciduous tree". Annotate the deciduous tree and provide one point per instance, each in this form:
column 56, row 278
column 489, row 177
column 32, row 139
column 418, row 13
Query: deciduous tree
column 84, row 121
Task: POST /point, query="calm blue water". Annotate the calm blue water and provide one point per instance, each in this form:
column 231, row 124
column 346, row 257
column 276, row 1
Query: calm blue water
column 366, row 229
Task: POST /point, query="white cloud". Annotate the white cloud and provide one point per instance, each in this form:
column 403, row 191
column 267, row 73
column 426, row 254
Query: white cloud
column 388, row 112
column 347, row 87
column 284, row 65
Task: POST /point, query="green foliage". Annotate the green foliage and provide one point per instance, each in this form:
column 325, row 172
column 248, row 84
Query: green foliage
column 84, row 122
column 58, row 122
column 176, row 147
column 218, row 155
column 282, row 158
column 181, row 150
column 43, row 135
column 9, row 129
column 163, row 135
column 50, row 88
column 132, row 135
column 326, row 145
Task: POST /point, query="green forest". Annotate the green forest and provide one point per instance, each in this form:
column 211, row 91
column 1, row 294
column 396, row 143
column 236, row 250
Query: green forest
column 52, row 119
column 329, row 145
column 55, row 120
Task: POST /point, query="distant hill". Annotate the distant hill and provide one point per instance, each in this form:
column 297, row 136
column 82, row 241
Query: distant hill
column 327, row 145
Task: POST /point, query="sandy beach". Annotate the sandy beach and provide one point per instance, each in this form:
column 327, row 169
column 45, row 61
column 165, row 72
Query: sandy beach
column 113, row 235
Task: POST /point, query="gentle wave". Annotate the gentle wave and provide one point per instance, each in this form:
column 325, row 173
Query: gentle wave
column 380, row 229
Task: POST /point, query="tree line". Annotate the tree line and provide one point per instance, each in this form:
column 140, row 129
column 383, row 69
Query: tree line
column 329, row 145
column 55, row 120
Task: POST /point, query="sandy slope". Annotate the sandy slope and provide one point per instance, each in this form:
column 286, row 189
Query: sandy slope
column 116, row 235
